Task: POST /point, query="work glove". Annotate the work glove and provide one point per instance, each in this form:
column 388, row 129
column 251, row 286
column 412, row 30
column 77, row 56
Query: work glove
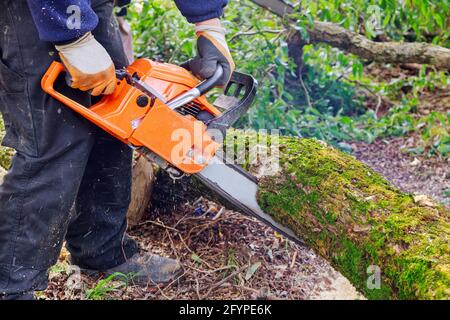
column 89, row 65
column 212, row 51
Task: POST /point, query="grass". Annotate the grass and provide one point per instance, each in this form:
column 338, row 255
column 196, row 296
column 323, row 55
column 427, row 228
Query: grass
column 103, row 289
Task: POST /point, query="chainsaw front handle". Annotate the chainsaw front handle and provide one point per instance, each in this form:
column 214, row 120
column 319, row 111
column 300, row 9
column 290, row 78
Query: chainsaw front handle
column 198, row 91
column 237, row 98
column 209, row 83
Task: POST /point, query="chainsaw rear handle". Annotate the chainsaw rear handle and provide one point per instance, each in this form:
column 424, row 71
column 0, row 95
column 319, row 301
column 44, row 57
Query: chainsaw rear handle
column 47, row 84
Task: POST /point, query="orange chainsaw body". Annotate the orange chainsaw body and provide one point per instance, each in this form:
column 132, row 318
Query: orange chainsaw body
column 179, row 139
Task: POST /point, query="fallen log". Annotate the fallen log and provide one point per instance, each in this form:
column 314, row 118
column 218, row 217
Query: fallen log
column 359, row 222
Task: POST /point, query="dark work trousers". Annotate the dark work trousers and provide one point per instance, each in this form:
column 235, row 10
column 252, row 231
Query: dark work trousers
column 68, row 180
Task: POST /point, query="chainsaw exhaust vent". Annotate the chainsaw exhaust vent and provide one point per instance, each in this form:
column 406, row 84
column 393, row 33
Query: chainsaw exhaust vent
column 191, row 109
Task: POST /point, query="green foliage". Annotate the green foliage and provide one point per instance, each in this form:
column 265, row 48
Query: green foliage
column 434, row 129
column 160, row 32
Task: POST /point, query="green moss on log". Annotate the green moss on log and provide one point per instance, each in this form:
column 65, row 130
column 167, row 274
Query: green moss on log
column 5, row 153
column 356, row 219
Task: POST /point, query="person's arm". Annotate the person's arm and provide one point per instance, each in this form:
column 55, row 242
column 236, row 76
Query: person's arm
column 68, row 25
column 62, row 20
column 201, row 10
column 211, row 44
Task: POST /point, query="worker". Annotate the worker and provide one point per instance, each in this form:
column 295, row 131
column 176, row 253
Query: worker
column 70, row 181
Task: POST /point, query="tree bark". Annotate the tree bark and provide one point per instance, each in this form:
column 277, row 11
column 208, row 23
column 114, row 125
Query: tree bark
column 386, row 52
column 346, row 40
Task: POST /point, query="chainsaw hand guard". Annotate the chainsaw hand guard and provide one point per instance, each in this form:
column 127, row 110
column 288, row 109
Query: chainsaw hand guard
column 236, row 100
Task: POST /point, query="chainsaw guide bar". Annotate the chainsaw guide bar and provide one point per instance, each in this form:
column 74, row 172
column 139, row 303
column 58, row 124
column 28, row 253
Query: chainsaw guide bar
column 236, row 186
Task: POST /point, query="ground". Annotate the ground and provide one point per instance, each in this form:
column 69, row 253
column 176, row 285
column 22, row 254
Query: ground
column 419, row 175
column 218, row 266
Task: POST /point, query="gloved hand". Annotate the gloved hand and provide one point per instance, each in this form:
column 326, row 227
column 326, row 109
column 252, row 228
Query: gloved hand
column 89, row 65
column 212, row 51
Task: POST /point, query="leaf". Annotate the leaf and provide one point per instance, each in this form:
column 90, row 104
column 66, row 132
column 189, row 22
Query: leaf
column 196, row 258
column 251, row 270
column 346, row 147
column 447, row 193
column 444, row 149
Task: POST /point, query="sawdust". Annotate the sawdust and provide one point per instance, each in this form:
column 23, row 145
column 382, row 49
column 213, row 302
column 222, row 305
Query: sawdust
column 341, row 289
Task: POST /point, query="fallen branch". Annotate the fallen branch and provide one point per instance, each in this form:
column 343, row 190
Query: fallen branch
column 159, row 224
column 349, row 41
column 224, row 280
column 385, row 52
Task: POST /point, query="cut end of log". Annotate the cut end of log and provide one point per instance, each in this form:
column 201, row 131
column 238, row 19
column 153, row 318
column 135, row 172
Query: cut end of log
column 2, row 174
column 141, row 192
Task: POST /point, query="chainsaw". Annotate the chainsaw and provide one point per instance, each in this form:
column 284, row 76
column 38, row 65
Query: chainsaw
column 154, row 104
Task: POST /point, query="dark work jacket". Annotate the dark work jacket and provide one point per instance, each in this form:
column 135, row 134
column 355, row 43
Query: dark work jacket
column 65, row 20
